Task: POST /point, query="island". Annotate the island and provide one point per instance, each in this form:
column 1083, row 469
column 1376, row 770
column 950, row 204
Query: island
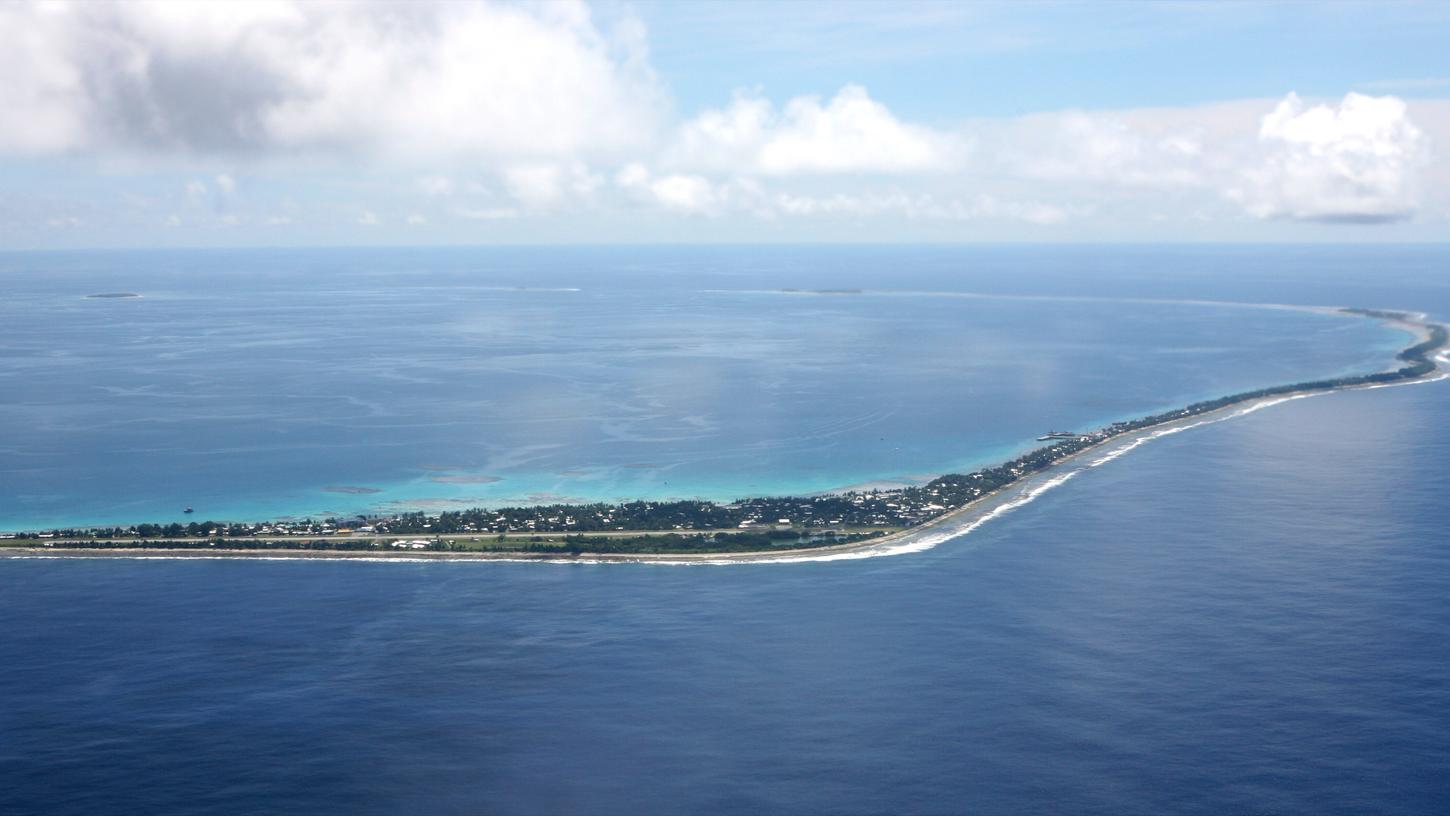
column 681, row 531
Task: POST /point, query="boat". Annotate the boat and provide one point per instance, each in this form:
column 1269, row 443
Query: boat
column 188, row 510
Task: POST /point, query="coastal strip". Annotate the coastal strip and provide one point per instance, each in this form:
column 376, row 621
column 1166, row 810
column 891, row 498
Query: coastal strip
column 944, row 508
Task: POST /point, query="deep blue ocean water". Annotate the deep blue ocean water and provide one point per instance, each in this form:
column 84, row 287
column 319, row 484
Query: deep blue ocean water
column 1248, row 617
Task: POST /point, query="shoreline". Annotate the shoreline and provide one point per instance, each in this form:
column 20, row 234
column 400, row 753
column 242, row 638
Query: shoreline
column 948, row 525
column 917, row 537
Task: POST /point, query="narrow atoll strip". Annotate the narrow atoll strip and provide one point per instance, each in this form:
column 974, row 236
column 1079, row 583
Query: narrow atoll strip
column 860, row 524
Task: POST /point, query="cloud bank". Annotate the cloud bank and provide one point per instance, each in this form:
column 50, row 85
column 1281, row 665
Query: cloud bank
column 1357, row 162
column 852, row 133
column 481, row 112
column 415, row 80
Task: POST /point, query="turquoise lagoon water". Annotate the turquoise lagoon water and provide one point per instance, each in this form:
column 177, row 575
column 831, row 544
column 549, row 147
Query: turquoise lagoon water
column 265, row 384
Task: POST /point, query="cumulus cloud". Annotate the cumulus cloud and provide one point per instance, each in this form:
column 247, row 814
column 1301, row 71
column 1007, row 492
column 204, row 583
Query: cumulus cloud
column 684, row 193
column 1357, row 162
column 924, row 207
column 714, row 163
column 1360, row 160
column 698, row 195
column 418, row 79
column 481, row 111
column 674, row 191
column 1104, row 147
column 549, row 184
column 852, row 133
column 486, row 213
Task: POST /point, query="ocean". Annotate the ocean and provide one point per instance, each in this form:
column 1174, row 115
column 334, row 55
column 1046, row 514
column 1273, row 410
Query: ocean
column 260, row 385
column 1247, row 617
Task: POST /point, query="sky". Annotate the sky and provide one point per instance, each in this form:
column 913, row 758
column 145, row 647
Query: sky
column 302, row 124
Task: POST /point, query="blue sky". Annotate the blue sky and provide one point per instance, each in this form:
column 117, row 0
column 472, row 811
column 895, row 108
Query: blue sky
column 281, row 123
column 941, row 62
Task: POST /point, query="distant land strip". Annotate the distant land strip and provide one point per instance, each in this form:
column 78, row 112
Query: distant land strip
column 686, row 530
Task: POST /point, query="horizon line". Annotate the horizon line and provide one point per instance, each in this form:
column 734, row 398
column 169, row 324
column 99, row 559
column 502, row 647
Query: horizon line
column 728, row 244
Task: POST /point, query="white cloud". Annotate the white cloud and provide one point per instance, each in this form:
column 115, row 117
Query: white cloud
column 417, row 80
column 486, row 213
column 545, row 185
column 923, row 207
column 1356, row 162
column 632, row 176
column 1126, row 148
column 684, row 193
column 1360, row 160
column 694, row 194
column 436, row 185
column 676, row 191
column 852, row 133
column 416, row 220
column 483, row 111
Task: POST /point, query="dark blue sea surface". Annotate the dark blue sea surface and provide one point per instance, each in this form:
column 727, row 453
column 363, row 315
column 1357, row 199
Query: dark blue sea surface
column 1251, row 616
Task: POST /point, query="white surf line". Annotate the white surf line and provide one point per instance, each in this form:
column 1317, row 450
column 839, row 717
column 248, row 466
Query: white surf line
column 914, row 542
column 930, row 538
column 1210, row 420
